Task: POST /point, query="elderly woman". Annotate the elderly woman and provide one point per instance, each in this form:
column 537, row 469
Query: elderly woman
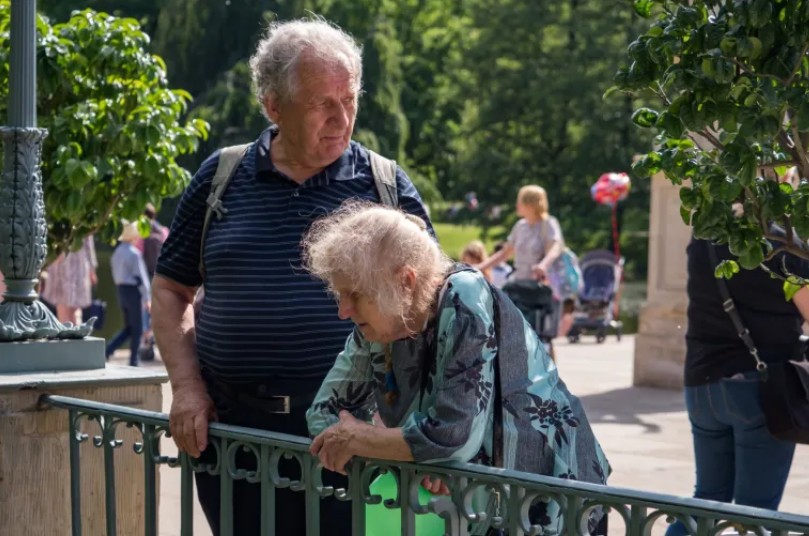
column 434, row 349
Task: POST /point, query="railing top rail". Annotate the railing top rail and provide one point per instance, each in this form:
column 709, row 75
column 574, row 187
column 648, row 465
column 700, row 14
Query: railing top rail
column 603, row 494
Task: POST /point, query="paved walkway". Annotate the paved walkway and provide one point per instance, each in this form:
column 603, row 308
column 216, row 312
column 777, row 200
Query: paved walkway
column 644, row 432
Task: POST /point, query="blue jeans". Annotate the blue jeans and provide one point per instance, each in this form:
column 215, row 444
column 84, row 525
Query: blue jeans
column 131, row 304
column 737, row 458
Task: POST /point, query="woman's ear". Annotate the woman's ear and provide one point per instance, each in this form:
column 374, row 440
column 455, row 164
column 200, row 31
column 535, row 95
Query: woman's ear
column 407, row 277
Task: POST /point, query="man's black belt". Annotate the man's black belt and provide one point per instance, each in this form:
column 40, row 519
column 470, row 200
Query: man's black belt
column 261, row 396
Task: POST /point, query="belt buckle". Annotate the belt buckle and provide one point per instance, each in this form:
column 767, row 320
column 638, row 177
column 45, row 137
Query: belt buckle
column 284, row 401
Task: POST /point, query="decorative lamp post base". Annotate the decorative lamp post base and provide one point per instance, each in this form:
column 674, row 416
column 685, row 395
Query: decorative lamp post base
column 23, row 321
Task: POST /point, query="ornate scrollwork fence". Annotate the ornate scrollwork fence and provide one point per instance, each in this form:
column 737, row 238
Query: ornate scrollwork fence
column 97, row 424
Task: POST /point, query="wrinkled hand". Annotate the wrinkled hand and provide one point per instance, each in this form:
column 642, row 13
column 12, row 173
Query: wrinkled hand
column 434, row 485
column 191, row 411
column 334, row 446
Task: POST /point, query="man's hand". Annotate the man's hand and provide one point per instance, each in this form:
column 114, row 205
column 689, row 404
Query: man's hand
column 191, row 411
column 434, row 485
column 335, row 445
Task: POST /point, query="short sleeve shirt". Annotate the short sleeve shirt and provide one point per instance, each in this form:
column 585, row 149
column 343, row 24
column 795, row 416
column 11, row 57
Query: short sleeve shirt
column 530, row 242
column 264, row 317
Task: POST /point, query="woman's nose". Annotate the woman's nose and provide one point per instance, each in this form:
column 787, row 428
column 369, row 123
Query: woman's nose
column 344, row 309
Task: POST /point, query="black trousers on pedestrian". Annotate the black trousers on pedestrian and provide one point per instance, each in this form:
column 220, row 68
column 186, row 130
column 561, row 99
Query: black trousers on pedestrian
column 234, row 406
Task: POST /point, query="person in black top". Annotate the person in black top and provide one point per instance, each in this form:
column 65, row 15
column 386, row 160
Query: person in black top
column 736, row 457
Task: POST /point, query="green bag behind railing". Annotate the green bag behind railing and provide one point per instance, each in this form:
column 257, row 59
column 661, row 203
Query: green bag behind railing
column 381, row 520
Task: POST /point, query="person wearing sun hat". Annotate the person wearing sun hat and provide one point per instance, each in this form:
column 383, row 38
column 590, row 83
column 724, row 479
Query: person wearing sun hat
column 132, row 282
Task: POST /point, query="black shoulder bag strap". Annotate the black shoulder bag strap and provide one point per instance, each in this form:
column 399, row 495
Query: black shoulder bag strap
column 733, row 313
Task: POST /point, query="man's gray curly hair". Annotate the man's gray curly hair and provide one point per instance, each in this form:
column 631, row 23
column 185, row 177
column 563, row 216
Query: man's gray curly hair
column 273, row 65
column 368, row 244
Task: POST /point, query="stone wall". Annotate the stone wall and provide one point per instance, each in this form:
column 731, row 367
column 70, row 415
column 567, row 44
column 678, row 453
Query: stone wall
column 34, row 452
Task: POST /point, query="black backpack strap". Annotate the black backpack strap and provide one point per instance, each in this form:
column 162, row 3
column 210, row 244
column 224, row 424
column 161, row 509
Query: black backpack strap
column 730, row 308
column 229, row 159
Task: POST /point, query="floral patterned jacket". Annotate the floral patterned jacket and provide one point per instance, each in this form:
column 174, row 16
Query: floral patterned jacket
column 445, row 378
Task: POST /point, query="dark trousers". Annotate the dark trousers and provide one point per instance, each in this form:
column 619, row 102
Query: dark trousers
column 290, row 510
column 132, row 307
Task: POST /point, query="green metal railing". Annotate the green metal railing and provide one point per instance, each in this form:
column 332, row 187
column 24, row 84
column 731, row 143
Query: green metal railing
column 638, row 510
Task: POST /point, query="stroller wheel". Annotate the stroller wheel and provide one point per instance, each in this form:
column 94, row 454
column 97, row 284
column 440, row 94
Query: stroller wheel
column 573, row 338
column 618, row 333
column 600, row 338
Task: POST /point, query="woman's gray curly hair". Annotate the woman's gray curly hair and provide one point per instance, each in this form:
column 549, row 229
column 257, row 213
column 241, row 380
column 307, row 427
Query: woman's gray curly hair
column 368, row 244
column 273, row 65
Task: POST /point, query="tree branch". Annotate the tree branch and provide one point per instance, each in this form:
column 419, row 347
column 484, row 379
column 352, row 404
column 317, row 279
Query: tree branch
column 711, row 138
column 796, row 140
column 797, row 66
column 790, row 248
column 773, row 165
column 746, row 69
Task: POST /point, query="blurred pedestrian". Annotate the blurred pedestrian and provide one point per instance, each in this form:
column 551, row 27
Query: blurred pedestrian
column 134, row 291
column 150, row 247
column 475, row 253
column 152, row 244
column 535, row 240
column 500, row 272
column 70, row 281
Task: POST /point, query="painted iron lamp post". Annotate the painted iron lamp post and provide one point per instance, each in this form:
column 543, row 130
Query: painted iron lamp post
column 23, row 230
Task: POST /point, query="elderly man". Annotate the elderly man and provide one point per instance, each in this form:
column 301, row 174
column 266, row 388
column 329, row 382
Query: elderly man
column 266, row 333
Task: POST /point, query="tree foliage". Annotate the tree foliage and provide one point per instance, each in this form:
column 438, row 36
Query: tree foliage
column 114, row 126
column 483, row 95
column 730, row 87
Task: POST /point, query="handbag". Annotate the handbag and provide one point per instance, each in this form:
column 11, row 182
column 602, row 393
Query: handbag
column 783, row 387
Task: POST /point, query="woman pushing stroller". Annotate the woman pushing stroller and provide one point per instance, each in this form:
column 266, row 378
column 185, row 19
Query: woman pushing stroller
column 536, row 242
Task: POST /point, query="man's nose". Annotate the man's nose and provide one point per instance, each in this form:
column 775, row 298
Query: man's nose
column 342, row 115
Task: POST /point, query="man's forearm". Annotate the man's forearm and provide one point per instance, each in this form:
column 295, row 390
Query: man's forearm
column 173, row 324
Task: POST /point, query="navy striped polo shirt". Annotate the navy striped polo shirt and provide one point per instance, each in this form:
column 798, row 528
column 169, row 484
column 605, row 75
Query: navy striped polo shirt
column 263, row 316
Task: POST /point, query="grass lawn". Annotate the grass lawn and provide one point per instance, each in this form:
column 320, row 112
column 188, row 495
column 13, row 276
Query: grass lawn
column 453, row 237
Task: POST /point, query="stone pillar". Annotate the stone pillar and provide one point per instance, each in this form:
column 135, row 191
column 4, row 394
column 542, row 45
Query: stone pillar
column 660, row 342
column 34, row 451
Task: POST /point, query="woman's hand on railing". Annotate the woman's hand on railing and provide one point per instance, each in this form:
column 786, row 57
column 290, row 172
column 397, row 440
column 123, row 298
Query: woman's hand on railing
column 333, row 446
column 191, row 411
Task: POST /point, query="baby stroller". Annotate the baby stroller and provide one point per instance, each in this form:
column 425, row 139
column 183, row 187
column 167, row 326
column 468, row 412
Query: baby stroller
column 601, row 273
column 535, row 302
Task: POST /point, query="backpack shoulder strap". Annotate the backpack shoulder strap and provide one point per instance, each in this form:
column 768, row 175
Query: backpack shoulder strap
column 384, row 172
column 229, row 159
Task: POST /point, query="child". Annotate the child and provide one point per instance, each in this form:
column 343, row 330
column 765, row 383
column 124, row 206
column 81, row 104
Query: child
column 132, row 282
column 500, row 272
column 475, row 253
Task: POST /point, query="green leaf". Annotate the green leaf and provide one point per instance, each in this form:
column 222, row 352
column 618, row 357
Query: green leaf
column 752, row 256
column 790, row 289
column 685, row 214
column 688, row 198
column 643, row 7
column 803, row 115
column 726, row 269
column 644, row 117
